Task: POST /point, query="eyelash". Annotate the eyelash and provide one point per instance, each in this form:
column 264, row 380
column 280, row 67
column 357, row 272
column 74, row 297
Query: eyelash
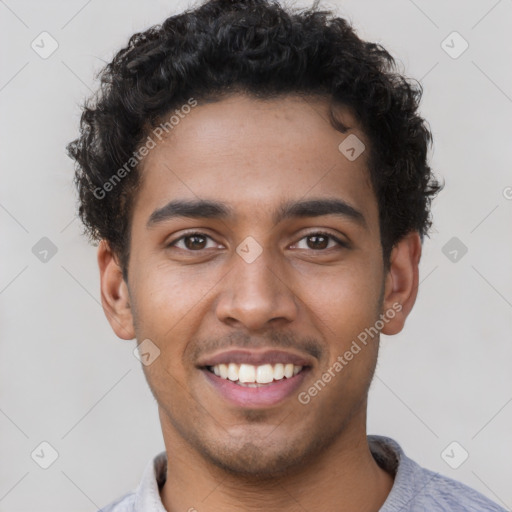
column 315, row 233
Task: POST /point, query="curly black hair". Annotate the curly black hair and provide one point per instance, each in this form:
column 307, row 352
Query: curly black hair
column 263, row 49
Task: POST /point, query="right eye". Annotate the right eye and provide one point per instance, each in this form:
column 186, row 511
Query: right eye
column 193, row 242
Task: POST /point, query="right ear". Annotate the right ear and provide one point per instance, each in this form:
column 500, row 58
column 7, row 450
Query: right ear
column 115, row 298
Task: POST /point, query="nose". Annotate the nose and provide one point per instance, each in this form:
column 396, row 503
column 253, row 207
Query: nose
column 256, row 295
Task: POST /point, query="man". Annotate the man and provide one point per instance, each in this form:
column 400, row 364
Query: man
column 258, row 181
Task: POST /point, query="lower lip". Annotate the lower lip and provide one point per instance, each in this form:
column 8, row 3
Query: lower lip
column 263, row 396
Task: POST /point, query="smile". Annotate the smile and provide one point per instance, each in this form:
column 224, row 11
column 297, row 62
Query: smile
column 255, row 395
column 249, row 375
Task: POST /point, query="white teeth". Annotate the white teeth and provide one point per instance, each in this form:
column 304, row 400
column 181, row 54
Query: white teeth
column 223, row 369
column 265, row 374
column 278, row 371
column 247, row 373
column 233, row 371
column 251, row 376
column 288, row 370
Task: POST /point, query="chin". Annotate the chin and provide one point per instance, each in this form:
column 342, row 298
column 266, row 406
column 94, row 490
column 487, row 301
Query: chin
column 253, row 463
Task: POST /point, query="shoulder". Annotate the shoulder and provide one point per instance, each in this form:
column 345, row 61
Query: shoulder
column 417, row 489
column 452, row 495
column 124, row 504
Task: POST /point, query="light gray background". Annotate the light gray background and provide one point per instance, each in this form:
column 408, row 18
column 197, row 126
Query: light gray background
column 67, row 380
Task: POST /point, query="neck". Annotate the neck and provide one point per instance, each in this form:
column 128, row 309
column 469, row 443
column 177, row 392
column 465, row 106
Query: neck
column 345, row 477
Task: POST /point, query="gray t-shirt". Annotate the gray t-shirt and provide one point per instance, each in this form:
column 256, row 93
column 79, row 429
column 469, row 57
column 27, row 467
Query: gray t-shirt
column 415, row 489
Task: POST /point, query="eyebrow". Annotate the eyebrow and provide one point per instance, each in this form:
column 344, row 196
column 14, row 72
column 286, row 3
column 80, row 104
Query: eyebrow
column 210, row 209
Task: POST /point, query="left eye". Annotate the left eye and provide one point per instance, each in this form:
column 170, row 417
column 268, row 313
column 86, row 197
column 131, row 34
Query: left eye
column 319, row 241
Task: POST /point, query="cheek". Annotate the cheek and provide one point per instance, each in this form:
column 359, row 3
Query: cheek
column 167, row 312
column 165, row 295
column 346, row 305
column 169, row 307
column 345, row 299
column 349, row 309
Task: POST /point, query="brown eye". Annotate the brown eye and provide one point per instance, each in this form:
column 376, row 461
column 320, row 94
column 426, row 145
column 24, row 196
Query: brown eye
column 191, row 242
column 320, row 241
column 195, row 242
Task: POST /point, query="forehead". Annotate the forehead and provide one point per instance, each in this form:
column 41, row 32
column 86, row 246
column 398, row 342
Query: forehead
column 250, row 153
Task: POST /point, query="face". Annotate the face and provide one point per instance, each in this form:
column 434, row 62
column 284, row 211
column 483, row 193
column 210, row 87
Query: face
column 255, row 251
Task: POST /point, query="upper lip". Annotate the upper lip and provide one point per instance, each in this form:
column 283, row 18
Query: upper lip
column 256, row 358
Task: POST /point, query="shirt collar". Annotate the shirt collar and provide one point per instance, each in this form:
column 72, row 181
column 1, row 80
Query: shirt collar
column 147, row 497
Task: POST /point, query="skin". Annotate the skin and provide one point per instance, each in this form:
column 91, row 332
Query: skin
column 253, row 155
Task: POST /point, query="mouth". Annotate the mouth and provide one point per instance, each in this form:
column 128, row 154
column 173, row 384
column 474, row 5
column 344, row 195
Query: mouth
column 251, row 376
column 255, row 379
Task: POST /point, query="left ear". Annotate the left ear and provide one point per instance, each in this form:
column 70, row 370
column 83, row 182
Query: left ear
column 401, row 288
